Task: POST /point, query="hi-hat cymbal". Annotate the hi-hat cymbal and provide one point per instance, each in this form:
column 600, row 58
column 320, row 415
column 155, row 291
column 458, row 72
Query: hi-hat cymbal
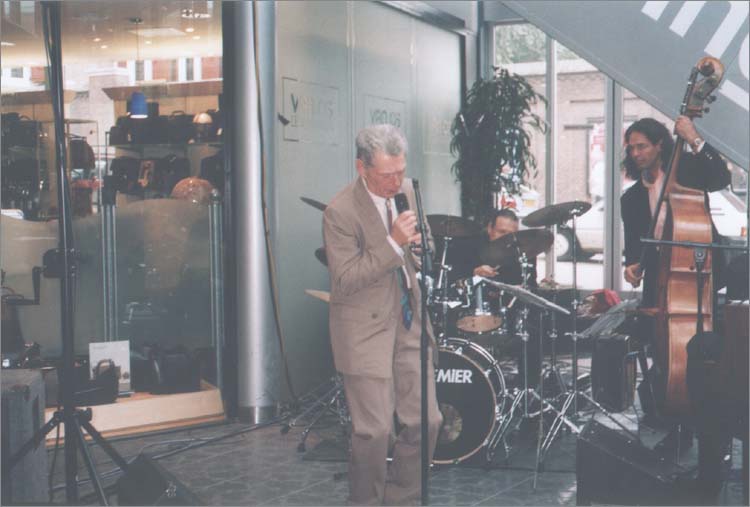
column 315, row 204
column 506, row 249
column 556, row 214
column 320, row 254
column 453, row 226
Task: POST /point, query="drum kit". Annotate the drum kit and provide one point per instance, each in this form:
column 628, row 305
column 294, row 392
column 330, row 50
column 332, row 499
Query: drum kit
column 471, row 317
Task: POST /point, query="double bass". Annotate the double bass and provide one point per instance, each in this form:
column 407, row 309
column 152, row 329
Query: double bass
column 688, row 219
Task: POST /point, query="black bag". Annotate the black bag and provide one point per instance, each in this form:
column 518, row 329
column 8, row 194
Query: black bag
column 175, row 371
column 20, row 185
column 169, row 171
column 20, row 130
column 120, row 133
column 212, row 170
column 180, row 127
column 125, row 171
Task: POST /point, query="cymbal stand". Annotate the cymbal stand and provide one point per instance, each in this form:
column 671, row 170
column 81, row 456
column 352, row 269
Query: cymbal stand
column 442, row 289
column 553, row 369
column 572, row 398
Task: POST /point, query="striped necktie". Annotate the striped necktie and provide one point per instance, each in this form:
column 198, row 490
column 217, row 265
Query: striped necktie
column 406, row 311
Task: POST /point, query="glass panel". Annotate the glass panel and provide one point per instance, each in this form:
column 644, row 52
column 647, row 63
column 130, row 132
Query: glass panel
column 28, row 228
column 580, row 168
column 144, row 265
column 521, row 49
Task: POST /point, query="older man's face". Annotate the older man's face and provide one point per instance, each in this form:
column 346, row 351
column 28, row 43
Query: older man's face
column 385, row 175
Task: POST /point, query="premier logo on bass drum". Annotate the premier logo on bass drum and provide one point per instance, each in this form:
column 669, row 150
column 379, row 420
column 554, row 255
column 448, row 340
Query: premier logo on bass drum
column 453, row 376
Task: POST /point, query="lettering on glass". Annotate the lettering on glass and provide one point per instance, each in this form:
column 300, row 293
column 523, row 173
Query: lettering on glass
column 380, row 110
column 734, row 21
column 312, row 111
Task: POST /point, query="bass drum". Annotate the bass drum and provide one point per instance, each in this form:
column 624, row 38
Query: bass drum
column 471, row 394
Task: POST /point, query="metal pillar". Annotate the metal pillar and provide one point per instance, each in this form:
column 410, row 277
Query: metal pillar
column 258, row 360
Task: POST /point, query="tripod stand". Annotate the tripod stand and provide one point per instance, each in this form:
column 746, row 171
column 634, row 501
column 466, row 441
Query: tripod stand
column 73, row 418
column 332, row 401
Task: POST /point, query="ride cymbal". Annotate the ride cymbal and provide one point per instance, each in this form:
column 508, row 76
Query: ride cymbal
column 315, row 204
column 556, row 214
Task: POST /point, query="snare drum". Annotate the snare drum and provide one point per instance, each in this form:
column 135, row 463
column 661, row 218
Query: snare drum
column 471, row 394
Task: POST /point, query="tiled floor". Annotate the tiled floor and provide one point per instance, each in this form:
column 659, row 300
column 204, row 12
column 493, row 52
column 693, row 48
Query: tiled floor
column 264, row 467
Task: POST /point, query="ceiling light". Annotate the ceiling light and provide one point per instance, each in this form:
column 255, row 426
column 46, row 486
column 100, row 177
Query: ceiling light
column 196, row 37
column 4, row 43
column 97, row 39
column 148, row 42
column 103, row 46
column 190, row 29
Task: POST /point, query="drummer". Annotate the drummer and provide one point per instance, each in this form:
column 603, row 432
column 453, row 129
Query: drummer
column 502, row 222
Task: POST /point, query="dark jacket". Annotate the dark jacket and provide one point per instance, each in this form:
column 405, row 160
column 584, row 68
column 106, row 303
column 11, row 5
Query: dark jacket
column 705, row 171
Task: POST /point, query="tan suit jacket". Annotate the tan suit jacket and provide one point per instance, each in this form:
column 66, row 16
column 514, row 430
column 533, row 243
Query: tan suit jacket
column 365, row 292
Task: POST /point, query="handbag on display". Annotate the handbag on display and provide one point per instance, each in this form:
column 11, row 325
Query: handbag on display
column 126, row 171
column 120, row 132
column 179, row 127
column 175, row 371
column 19, row 130
column 170, row 170
column 212, row 170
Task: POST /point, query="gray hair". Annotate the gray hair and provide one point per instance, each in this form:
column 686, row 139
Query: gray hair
column 384, row 138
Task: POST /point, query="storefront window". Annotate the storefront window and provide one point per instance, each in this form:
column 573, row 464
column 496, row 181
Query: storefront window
column 521, row 49
column 142, row 99
column 580, row 168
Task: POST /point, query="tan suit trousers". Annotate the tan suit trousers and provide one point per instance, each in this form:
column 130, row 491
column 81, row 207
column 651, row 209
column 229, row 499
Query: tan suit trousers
column 372, row 402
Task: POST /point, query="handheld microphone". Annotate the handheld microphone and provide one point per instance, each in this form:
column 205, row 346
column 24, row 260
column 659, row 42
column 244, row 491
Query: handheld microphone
column 402, row 204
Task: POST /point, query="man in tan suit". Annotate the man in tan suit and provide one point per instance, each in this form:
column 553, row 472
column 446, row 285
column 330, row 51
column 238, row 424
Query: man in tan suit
column 375, row 321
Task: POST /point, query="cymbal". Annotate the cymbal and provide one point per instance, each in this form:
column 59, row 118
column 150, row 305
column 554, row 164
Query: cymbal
column 320, row 254
column 556, row 214
column 525, row 296
column 315, row 204
column 453, row 226
column 505, row 249
column 319, row 294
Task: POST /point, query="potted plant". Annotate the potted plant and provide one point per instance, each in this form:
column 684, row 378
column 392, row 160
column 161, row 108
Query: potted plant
column 491, row 141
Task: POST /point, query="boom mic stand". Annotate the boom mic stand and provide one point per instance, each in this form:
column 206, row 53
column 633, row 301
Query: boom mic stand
column 425, row 283
column 72, row 418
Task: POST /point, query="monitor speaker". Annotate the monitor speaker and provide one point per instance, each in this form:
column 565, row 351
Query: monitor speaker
column 613, row 468
column 22, row 415
column 146, row 482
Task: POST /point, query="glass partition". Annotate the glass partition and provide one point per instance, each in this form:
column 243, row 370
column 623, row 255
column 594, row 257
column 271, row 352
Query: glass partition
column 144, row 133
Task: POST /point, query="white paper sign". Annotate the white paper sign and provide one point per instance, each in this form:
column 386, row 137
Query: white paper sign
column 119, row 353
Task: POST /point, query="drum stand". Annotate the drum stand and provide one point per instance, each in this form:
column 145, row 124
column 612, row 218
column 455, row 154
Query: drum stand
column 442, row 289
column 332, row 401
column 521, row 398
column 572, row 397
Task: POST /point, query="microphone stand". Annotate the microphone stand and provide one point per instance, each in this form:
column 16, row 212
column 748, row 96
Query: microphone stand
column 425, row 283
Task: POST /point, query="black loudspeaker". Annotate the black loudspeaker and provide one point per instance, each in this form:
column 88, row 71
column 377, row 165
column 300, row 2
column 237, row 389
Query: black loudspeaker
column 146, row 482
column 613, row 372
column 613, row 468
column 22, row 416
